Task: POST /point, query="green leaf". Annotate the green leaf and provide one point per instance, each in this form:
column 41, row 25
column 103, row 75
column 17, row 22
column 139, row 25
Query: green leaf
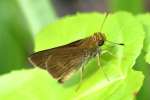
column 38, row 13
column 148, row 57
column 146, row 24
column 15, row 37
column 142, row 63
column 123, row 82
column 36, row 84
column 16, row 20
column 116, row 29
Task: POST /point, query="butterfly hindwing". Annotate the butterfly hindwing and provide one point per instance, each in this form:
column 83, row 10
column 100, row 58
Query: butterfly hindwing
column 63, row 63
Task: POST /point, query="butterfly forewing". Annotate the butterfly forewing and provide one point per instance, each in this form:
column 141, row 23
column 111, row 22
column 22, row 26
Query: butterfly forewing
column 39, row 58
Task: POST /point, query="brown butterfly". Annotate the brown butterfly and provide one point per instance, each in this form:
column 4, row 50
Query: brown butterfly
column 62, row 61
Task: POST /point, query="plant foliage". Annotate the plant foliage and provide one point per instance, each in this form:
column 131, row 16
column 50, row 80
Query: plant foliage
column 123, row 83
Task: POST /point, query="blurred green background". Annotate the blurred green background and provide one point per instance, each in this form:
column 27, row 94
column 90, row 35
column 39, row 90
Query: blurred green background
column 20, row 20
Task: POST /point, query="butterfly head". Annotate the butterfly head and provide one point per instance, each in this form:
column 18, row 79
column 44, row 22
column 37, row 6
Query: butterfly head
column 99, row 38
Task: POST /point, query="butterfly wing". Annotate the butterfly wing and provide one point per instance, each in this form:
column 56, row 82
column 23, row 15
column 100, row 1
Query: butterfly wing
column 39, row 58
column 63, row 63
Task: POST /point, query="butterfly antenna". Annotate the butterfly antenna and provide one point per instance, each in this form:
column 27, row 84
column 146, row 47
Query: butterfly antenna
column 115, row 43
column 105, row 17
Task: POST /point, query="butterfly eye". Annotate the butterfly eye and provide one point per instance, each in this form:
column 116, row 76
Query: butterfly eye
column 100, row 43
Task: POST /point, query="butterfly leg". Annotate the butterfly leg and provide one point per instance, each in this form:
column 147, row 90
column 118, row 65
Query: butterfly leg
column 106, row 51
column 98, row 59
column 81, row 74
column 99, row 64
